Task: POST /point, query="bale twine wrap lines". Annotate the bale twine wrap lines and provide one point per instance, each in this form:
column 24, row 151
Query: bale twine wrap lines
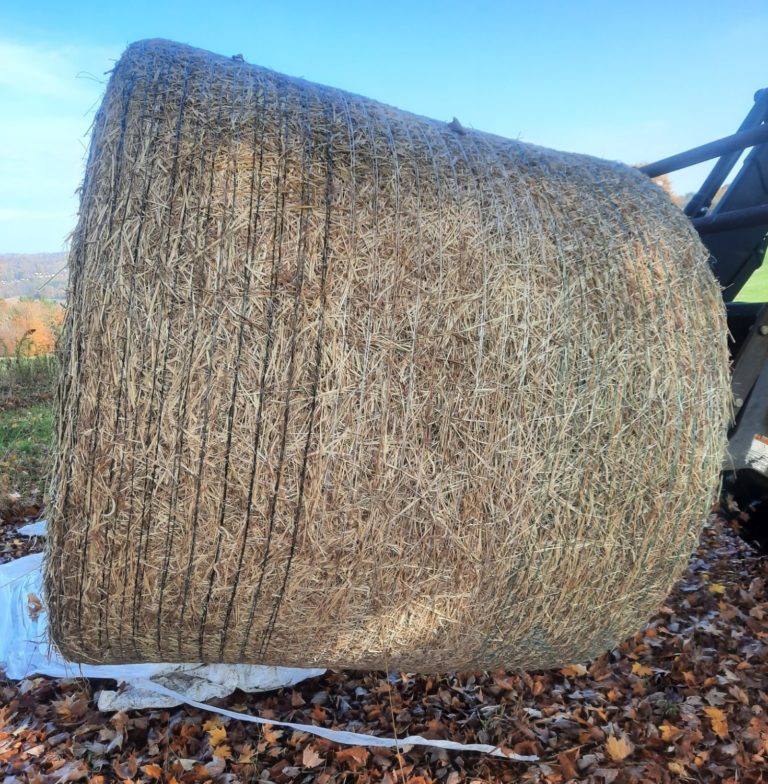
column 346, row 386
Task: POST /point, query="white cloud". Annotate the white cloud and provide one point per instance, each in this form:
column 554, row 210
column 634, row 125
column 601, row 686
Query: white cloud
column 48, row 96
column 38, row 72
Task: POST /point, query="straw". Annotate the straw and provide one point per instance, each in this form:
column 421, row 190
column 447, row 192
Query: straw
column 343, row 386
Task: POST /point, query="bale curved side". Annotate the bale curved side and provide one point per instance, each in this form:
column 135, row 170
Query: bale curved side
column 346, row 386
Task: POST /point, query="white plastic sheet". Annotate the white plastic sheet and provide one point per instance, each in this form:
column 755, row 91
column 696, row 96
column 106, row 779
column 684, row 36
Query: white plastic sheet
column 355, row 738
column 25, row 650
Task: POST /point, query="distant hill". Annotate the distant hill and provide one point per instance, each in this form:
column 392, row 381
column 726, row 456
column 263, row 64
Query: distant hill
column 38, row 275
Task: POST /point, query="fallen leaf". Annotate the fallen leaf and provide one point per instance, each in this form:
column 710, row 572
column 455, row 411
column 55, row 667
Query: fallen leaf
column 217, row 735
column 198, row 774
column 119, row 721
column 247, row 754
column 271, row 735
column 152, row 771
column 719, row 722
column 318, row 713
column 73, row 706
column 717, row 588
column 619, row 748
column 574, row 671
column 354, row 756
column 75, row 770
column 641, row 670
column 215, row 767
column 126, row 769
column 567, row 766
column 34, row 606
column 224, row 751
column 669, row 732
column 310, row 758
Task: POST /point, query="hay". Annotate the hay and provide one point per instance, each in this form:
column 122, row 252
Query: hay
column 346, row 386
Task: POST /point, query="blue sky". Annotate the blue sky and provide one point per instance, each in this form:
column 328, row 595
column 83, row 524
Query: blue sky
column 626, row 81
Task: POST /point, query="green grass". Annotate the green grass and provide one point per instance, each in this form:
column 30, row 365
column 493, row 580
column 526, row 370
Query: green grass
column 26, row 427
column 756, row 288
column 26, row 440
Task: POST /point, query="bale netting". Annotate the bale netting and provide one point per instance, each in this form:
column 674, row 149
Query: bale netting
column 346, row 386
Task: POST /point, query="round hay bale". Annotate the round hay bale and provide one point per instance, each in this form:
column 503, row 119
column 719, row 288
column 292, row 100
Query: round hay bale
column 345, row 386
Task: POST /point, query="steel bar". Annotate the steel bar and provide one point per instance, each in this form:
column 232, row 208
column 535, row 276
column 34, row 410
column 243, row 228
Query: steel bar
column 735, row 219
column 737, row 141
column 701, row 200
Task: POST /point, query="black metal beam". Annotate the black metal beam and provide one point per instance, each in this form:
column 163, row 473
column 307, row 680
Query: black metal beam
column 701, row 200
column 737, row 141
column 735, row 219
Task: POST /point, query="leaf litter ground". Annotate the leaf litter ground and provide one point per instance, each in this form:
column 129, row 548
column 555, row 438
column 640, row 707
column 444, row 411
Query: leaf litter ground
column 683, row 700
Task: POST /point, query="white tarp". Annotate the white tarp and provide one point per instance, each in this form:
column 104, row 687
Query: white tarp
column 25, row 650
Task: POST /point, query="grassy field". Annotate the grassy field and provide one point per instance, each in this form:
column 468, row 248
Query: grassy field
column 26, row 426
column 25, row 449
column 24, row 376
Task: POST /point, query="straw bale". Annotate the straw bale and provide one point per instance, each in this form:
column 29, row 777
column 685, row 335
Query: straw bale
column 346, row 386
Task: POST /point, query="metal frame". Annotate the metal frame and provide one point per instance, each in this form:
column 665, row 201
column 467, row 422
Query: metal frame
column 735, row 232
column 735, row 229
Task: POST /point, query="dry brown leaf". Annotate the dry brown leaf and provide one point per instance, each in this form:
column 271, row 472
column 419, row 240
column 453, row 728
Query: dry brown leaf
column 719, row 721
column 224, row 751
column 34, row 606
column 126, row 769
column 689, row 678
column 318, row 713
column 739, row 694
column 619, row 748
column 670, row 733
column 247, row 754
column 567, row 765
column 76, row 770
column 212, row 724
column 310, row 758
column 188, row 730
column 197, row 774
column 574, row 671
column 217, row 735
column 354, row 756
column 504, row 681
column 677, row 768
column 73, row 706
column 152, row 771
column 119, row 721
column 270, row 734
column 641, row 670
